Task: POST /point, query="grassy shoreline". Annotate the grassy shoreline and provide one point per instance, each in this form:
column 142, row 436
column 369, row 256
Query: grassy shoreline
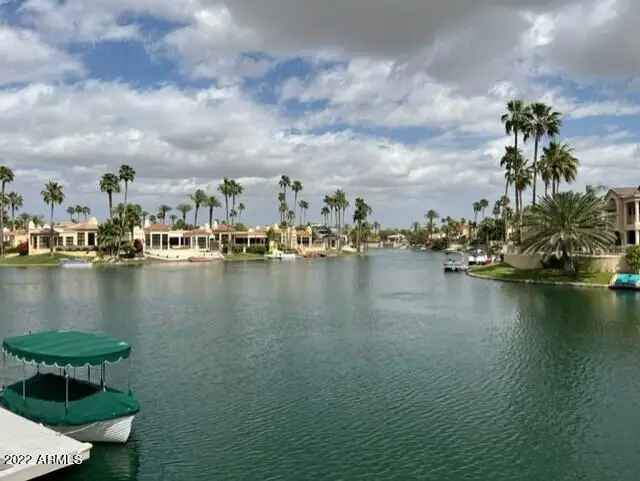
column 40, row 260
column 506, row 273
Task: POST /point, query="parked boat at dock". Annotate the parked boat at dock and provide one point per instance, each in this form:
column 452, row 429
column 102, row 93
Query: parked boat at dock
column 455, row 261
column 77, row 407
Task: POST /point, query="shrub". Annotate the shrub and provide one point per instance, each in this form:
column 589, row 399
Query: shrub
column 257, row 250
column 633, row 258
column 137, row 245
column 23, row 248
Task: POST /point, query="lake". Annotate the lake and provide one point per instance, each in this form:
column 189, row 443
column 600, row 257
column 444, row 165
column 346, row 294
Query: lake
column 375, row 367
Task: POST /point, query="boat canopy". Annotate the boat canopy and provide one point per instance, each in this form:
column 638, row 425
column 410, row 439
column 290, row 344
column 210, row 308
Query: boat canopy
column 67, row 348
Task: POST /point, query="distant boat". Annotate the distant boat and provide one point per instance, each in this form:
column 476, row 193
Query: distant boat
column 477, row 256
column 278, row 255
column 455, row 261
column 75, row 264
column 207, row 257
column 79, row 408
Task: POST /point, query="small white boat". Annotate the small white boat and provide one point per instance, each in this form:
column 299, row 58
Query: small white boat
column 278, row 255
column 455, row 261
column 115, row 430
column 75, row 264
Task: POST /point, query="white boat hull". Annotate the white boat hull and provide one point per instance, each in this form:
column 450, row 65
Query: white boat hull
column 111, row 431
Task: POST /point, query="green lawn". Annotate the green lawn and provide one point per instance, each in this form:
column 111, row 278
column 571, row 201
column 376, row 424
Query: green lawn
column 243, row 257
column 505, row 272
column 31, row 261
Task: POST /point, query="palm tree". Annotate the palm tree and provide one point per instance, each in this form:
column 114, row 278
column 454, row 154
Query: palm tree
column 127, row 174
column 285, row 183
column 476, row 210
column 233, row 214
column 566, row 224
column 283, row 211
column 330, row 203
column 145, row 214
column 86, row 212
column 78, row 209
column 291, row 217
column 212, row 203
column 52, row 195
column 541, row 121
column 109, row 235
column 304, row 205
column 431, row 216
column 296, row 187
column 15, row 203
column 173, row 218
column 484, row 203
column 6, row 176
column 558, row 164
column 236, row 190
column 110, row 184
column 515, row 120
column 225, row 189
column 153, row 219
column 324, row 212
column 198, row 198
column 521, row 180
column 509, row 162
column 71, row 211
column 25, row 217
column 163, row 210
column 360, row 214
column 184, row 209
column 241, row 209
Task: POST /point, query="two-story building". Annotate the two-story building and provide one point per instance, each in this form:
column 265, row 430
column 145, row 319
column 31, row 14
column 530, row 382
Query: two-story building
column 623, row 204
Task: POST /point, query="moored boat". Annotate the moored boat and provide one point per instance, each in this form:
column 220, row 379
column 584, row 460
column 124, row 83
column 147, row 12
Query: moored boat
column 75, row 264
column 455, row 261
column 79, row 408
column 276, row 254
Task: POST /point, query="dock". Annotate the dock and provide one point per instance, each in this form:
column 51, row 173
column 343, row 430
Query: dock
column 33, row 450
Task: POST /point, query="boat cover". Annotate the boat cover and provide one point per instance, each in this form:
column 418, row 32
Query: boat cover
column 45, row 401
column 67, row 348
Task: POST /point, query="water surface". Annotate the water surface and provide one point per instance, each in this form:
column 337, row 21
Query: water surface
column 379, row 367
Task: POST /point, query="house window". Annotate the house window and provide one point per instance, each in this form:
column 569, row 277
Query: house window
column 631, row 213
column 44, row 242
column 81, row 239
column 631, row 237
column 147, row 240
column 68, row 241
column 155, row 241
column 202, row 242
column 91, row 239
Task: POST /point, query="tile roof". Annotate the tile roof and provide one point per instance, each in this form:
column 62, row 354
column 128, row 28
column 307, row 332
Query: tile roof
column 626, row 191
column 157, row 228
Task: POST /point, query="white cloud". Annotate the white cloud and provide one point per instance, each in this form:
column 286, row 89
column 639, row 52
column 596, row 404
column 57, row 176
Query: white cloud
column 24, row 58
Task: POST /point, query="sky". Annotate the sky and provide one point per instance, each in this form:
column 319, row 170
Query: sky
column 395, row 101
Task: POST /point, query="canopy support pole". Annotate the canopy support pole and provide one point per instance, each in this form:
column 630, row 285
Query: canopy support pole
column 88, row 372
column 66, row 391
column 102, row 381
column 24, row 381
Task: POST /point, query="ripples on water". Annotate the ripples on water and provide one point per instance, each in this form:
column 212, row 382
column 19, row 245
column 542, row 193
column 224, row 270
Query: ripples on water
column 360, row 368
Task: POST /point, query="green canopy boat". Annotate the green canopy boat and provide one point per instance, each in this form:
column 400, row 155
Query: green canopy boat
column 85, row 410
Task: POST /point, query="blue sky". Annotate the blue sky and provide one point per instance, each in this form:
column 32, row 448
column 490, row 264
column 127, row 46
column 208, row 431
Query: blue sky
column 396, row 102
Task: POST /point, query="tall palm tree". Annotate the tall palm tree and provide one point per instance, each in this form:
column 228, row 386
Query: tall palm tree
column 241, row 209
column 296, row 187
column 225, row 189
column 559, row 165
column 522, row 178
column 86, row 212
column 542, row 121
column 509, row 162
column 236, row 190
column 285, row 183
column 173, row 218
column 283, row 209
column 515, row 120
column 78, row 209
column 52, row 195
column 198, row 198
column 476, row 210
column 566, row 224
column 6, row 177
column 15, row 203
column 212, row 203
column 127, row 175
column 304, row 205
column 163, row 210
column 109, row 235
column 184, row 209
column 484, row 203
column 110, row 184
column 324, row 212
column 431, row 216
column 360, row 214
column 71, row 211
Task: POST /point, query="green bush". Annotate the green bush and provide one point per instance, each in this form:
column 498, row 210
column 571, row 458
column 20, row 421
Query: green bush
column 633, row 258
column 257, row 250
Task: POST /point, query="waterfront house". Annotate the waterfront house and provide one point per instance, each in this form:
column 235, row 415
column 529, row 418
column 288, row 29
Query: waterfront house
column 623, row 204
column 66, row 235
